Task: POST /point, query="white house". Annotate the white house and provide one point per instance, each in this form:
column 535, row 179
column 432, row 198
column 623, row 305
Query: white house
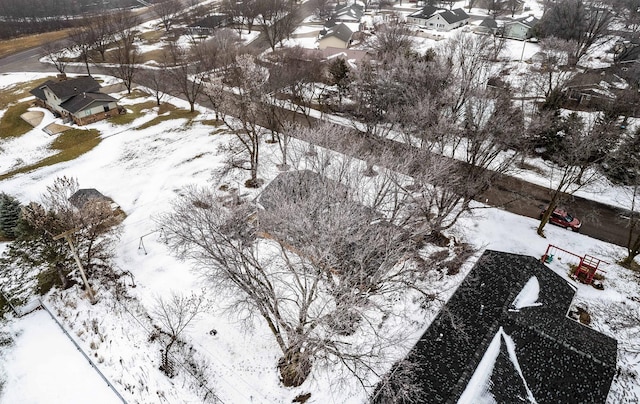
column 439, row 19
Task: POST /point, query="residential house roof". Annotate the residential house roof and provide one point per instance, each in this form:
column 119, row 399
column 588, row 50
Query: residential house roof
column 352, row 12
column 504, row 334
column 528, row 21
column 82, row 101
column 489, row 23
column 66, row 89
column 450, row 16
column 340, row 31
column 84, row 195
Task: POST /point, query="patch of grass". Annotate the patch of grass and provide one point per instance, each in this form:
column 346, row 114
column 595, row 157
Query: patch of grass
column 12, row 94
column 11, row 125
column 16, row 45
column 211, row 122
column 137, row 93
column 152, row 36
column 133, row 111
column 176, row 114
column 156, row 55
column 70, row 145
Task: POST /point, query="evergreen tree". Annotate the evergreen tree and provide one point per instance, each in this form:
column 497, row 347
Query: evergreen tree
column 9, row 215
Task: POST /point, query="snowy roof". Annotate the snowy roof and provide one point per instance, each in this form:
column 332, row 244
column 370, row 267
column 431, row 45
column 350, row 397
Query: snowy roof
column 342, row 32
column 450, row 16
column 528, row 21
column 504, row 335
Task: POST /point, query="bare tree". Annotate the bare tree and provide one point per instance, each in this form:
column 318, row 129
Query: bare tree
column 242, row 110
column 167, row 11
column 572, row 169
column 277, row 19
column 295, row 78
column 57, row 56
column 574, row 20
column 126, row 57
column 82, row 41
column 393, row 38
column 156, row 81
column 553, row 73
column 186, row 72
column 175, row 315
column 311, row 298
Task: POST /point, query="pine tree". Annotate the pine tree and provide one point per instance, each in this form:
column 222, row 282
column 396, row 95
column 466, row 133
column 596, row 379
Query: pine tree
column 9, row 215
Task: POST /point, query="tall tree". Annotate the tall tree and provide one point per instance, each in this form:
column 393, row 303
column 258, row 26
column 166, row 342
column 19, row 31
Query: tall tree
column 573, row 166
column 573, row 20
column 242, row 110
column 186, row 73
column 167, row 11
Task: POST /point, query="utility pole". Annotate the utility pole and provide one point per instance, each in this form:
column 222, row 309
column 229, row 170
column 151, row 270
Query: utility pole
column 67, row 236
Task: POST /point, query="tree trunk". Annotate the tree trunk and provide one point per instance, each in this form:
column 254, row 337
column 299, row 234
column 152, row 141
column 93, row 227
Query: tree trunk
column 294, row 367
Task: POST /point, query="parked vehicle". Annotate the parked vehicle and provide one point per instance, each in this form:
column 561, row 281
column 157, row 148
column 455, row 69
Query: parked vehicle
column 562, row 218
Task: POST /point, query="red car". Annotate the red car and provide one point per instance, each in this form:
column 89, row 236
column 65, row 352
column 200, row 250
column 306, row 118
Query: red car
column 562, row 218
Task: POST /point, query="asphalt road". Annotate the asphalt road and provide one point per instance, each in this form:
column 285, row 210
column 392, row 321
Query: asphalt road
column 600, row 221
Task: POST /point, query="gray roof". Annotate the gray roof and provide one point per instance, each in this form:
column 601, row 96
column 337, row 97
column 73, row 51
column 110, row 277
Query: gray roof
column 68, row 88
column 82, row 196
column 453, row 16
column 529, row 21
column 562, row 361
column 341, row 32
column 450, row 16
column 84, row 100
column 489, row 23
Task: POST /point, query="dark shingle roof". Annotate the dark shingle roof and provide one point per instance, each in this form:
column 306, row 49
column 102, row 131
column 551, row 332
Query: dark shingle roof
column 489, row 23
column 560, row 359
column 454, row 16
column 82, row 101
column 82, row 196
column 425, row 13
column 450, row 16
column 68, row 88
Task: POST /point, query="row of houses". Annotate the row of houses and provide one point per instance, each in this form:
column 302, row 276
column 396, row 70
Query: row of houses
column 441, row 19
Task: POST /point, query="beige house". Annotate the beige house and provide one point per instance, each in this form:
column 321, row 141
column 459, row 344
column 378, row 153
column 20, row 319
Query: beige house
column 78, row 100
column 338, row 36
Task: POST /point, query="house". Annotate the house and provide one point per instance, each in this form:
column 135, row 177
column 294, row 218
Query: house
column 338, row 36
column 348, row 13
column 504, row 336
column 78, row 100
column 597, row 89
column 488, row 26
column 439, row 19
column 521, row 28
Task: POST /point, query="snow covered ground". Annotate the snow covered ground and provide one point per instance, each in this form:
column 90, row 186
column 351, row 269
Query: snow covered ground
column 142, row 170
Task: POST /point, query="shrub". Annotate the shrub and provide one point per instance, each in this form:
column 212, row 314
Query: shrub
column 9, row 216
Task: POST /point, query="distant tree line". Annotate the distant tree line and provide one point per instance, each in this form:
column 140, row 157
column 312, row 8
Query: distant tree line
column 24, row 17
